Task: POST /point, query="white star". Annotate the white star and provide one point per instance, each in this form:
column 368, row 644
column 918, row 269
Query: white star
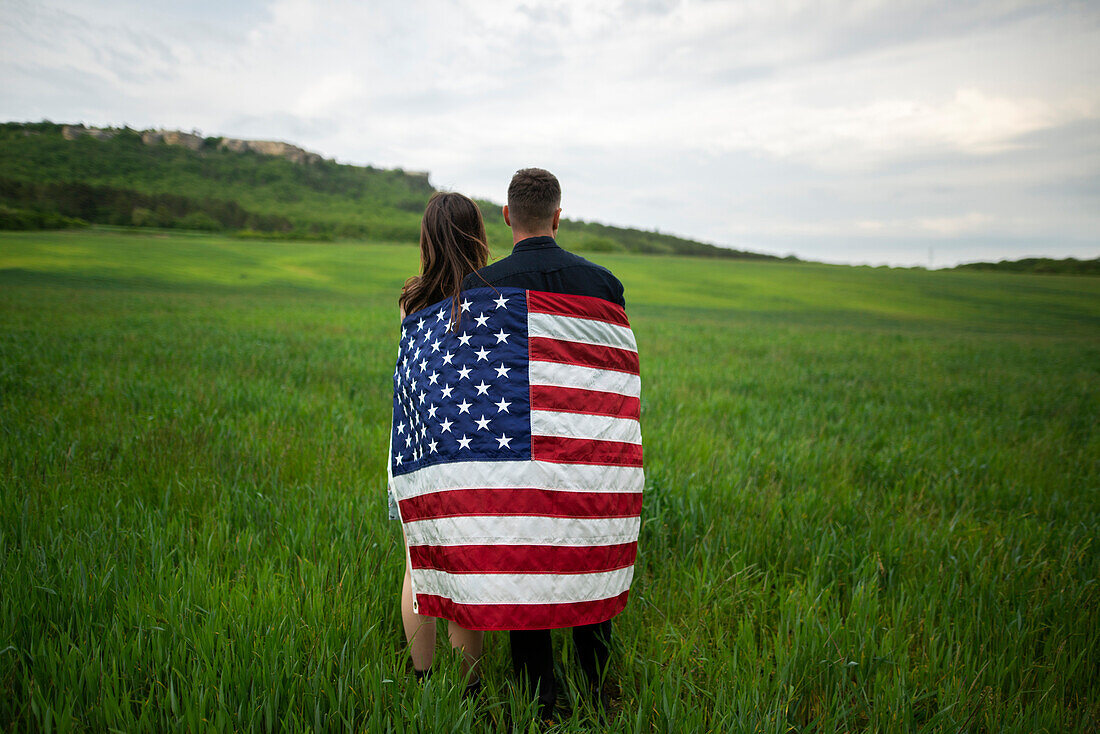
column 502, row 371
column 502, row 406
column 448, row 357
column 464, row 407
column 398, row 460
column 464, row 373
column 482, row 353
column 423, row 365
column 481, row 320
column 464, row 443
column 465, row 339
column 482, row 389
column 412, row 386
column 433, row 377
column 423, row 430
column 483, row 424
column 501, row 336
column 432, row 445
column 404, row 333
column 420, row 325
column 435, row 345
column 503, row 442
column 416, row 354
column 500, row 302
column 447, row 390
column 408, row 441
column 465, row 305
column 401, row 428
column 431, row 411
column 441, row 315
column 422, row 396
column 445, row 426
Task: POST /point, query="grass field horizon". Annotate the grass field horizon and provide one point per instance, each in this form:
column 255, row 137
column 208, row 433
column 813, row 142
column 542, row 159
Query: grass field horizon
column 871, row 495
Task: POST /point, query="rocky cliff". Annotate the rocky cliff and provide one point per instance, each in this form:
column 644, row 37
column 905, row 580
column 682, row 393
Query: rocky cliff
column 198, row 143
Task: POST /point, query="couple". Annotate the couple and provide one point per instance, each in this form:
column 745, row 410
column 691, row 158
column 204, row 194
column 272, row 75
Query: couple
column 515, row 459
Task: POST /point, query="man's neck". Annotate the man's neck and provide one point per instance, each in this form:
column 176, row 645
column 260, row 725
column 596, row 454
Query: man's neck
column 518, row 236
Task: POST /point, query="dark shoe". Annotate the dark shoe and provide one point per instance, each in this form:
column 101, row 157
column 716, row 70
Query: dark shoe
column 604, row 699
column 422, row 675
column 556, row 713
column 473, row 688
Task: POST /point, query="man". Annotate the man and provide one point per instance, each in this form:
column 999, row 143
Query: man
column 537, row 263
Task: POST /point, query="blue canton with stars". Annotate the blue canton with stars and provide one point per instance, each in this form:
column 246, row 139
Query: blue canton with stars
column 463, row 395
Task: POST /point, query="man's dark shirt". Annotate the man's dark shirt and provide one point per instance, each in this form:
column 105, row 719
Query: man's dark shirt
column 539, row 264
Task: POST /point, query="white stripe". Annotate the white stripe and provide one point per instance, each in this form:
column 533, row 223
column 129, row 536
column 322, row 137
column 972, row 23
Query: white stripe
column 585, row 378
column 522, row 530
column 518, row 475
column 583, row 425
column 576, row 329
column 523, row 588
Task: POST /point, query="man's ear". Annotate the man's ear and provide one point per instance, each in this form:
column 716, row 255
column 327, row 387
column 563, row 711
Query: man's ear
column 557, row 216
column 507, row 219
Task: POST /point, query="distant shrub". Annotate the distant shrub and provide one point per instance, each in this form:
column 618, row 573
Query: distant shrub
column 199, row 220
column 27, row 219
column 598, row 244
column 142, row 217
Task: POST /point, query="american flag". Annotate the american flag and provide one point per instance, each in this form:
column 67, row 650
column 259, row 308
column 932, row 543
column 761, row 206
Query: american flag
column 516, row 458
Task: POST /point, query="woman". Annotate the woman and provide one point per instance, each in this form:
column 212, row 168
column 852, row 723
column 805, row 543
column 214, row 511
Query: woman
column 452, row 245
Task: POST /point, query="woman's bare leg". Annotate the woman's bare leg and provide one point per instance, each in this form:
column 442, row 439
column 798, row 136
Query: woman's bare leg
column 469, row 643
column 419, row 629
column 420, row 633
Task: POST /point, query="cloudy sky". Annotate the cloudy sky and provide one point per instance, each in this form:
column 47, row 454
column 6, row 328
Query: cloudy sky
column 862, row 131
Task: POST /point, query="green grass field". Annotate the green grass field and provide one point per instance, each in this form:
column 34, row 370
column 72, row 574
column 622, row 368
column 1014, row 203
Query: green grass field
column 873, row 496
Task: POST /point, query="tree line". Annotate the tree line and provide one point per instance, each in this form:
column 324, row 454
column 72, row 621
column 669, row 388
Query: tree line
column 1066, row 266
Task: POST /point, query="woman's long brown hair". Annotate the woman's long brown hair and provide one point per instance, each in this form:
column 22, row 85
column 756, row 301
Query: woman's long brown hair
column 452, row 245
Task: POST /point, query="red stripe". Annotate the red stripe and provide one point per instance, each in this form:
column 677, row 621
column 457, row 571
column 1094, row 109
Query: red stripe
column 537, row 502
column 585, row 307
column 585, row 355
column 490, row 617
column 592, row 402
column 585, row 451
column 523, row 558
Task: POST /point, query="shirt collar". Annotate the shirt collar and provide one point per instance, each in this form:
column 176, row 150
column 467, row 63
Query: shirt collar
column 534, row 243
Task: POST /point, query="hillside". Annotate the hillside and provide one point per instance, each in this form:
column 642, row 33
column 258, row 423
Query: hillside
column 54, row 176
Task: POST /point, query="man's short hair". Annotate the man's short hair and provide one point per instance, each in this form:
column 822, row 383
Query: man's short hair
column 533, row 197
